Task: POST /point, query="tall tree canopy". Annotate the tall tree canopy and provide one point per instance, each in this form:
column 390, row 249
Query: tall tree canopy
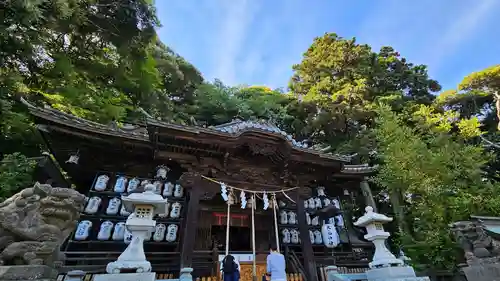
column 344, row 79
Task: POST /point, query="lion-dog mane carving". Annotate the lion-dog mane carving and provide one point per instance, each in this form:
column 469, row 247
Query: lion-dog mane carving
column 35, row 222
column 478, row 246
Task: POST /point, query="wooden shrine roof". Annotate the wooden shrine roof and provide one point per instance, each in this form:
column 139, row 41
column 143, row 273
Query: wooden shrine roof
column 237, row 130
column 226, row 135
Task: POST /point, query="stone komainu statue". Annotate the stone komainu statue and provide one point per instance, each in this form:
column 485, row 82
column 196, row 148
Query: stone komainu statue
column 35, row 222
column 478, row 246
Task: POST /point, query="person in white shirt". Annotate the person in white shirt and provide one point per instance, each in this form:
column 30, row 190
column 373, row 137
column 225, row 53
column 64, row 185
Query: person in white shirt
column 276, row 264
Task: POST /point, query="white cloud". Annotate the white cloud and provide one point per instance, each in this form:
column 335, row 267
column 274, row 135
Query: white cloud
column 237, row 17
column 460, row 30
column 426, row 31
column 257, row 42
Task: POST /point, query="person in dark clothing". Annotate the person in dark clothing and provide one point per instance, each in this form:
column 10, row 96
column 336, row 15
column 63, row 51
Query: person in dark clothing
column 230, row 268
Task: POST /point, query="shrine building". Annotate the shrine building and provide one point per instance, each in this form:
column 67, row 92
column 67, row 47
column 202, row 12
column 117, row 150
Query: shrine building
column 191, row 166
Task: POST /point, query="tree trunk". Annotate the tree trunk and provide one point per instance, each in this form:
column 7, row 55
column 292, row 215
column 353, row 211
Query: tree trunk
column 398, row 208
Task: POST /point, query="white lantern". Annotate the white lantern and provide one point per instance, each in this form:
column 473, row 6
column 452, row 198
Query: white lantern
column 176, row 210
column 113, row 206
column 317, row 203
column 286, row 236
column 101, row 183
column 283, row 217
column 83, row 230
column 119, row 231
column 168, row 190
column 317, row 237
column 330, row 235
column 294, row 236
column 133, row 184
column 292, row 217
column 93, row 205
column 178, row 191
column 158, row 185
column 121, row 184
column 321, row 191
column 159, row 233
column 105, row 230
column 311, row 203
column 161, row 172
column 171, row 233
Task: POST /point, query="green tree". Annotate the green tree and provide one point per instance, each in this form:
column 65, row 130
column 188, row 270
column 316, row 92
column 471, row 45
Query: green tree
column 433, row 178
column 346, row 79
column 15, row 173
column 477, row 95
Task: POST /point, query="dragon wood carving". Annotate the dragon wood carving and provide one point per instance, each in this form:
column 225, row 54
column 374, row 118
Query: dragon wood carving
column 34, row 223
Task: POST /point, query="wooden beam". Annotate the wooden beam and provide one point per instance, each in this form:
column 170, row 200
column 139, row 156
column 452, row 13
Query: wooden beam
column 175, row 156
column 189, row 233
column 53, row 173
column 307, row 250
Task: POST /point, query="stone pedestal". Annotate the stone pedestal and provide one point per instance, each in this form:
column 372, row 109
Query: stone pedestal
column 28, row 272
column 482, row 272
column 149, row 276
column 75, row 275
column 143, row 207
column 394, row 273
column 332, row 274
column 384, row 266
column 186, row 274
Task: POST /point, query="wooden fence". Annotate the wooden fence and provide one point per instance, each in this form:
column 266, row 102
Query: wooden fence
column 290, row 277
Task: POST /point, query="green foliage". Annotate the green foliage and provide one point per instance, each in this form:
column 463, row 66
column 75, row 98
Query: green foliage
column 15, row 173
column 345, row 80
column 486, row 80
column 433, row 178
column 475, row 96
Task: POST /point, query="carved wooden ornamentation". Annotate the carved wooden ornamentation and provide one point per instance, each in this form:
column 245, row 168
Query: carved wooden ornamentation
column 285, row 176
column 189, row 179
column 262, row 148
column 263, row 175
column 207, row 195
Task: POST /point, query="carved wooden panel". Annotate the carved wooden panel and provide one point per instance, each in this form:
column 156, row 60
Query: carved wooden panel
column 245, row 171
column 189, row 179
column 262, row 148
column 246, row 271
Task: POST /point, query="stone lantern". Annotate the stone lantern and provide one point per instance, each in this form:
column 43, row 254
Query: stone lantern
column 143, row 206
column 384, row 266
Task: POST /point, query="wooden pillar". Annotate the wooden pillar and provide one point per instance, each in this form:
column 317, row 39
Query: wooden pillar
column 367, row 194
column 307, row 250
column 192, row 182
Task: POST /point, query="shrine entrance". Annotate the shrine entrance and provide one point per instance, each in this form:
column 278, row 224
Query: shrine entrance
column 240, row 231
column 240, row 237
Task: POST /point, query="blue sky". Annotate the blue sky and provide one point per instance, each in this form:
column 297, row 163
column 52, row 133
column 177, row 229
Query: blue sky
column 256, row 42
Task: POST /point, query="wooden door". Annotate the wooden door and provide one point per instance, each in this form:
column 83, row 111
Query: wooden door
column 203, row 232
